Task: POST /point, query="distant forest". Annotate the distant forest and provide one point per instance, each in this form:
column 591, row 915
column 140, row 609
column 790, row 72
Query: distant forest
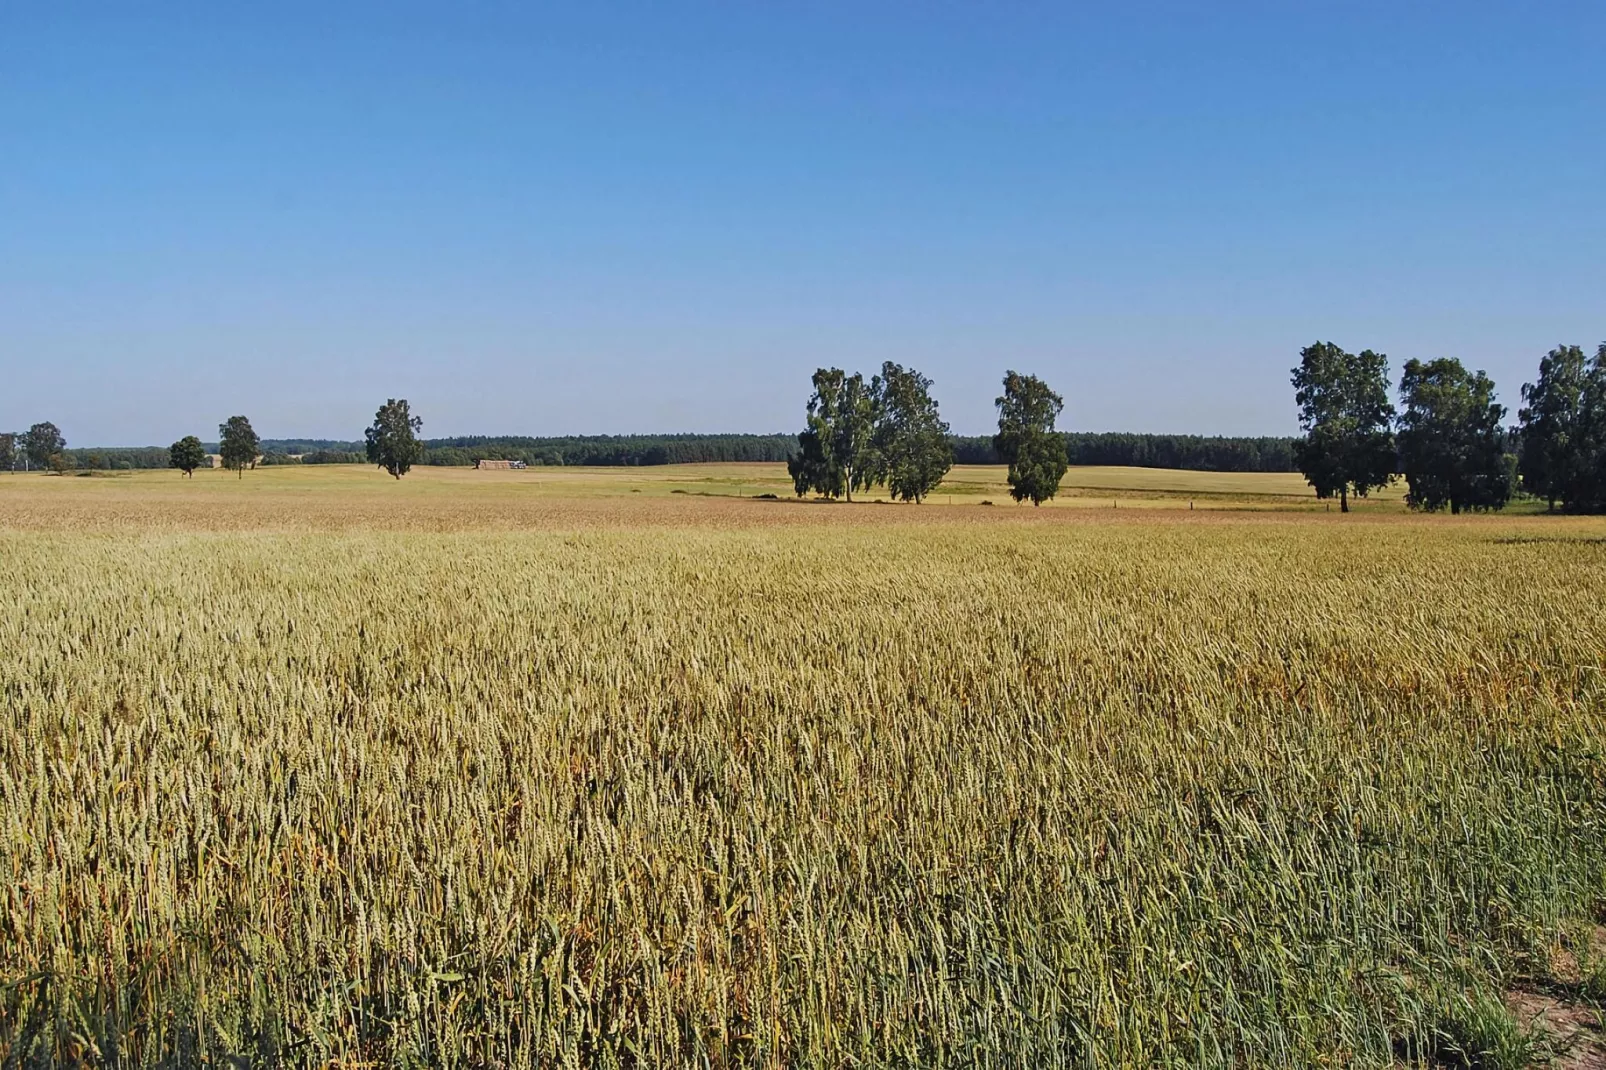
column 1197, row 452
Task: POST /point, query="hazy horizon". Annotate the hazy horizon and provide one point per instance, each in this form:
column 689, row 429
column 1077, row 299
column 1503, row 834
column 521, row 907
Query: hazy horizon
column 602, row 221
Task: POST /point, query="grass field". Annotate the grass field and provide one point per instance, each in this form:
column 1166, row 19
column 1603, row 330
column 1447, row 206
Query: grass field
column 561, row 767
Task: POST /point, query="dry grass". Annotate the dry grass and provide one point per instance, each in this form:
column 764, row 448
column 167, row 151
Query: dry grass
column 322, row 768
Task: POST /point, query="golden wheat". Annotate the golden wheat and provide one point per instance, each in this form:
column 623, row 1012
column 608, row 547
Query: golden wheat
column 671, row 783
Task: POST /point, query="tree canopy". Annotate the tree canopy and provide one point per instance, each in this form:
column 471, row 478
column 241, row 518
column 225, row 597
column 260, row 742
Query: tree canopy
column 1452, row 446
column 1026, row 438
column 43, row 445
column 911, row 440
column 1345, row 412
column 836, row 454
column 393, row 438
column 187, row 454
column 238, row 444
column 1563, row 430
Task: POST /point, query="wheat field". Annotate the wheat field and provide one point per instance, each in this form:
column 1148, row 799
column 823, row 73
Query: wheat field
column 322, row 769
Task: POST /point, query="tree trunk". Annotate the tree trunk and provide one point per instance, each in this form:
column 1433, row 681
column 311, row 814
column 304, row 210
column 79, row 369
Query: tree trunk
column 1343, row 499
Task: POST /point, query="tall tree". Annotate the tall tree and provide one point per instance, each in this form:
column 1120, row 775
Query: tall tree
column 1586, row 492
column 1452, row 445
column 911, row 439
column 393, row 439
column 187, row 454
column 837, row 448
column 1556, row 426
column 43, row 445
column 1026, row 438
column 1345, row 413
column 238, row 444
column 8, row 451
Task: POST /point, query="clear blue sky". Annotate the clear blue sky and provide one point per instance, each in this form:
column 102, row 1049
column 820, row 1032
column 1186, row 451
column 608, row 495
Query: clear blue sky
column 657, row 217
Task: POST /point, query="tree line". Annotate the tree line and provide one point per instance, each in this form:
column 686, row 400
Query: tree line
column 41, row 447
column 859, row 435
column 1195, row 452
column 1447, row 438
column 1204, row 453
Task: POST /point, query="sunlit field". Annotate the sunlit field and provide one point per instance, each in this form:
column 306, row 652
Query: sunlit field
column 357, row 496
column 633, row 767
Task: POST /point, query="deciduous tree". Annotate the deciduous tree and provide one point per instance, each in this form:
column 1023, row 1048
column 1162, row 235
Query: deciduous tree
column 1563, row 421
column 911, row 439
column 1587, row 491
column 43, row 445
column 1452, row 446
column 187, row 454
column 238, row 444
column 393, row 439
column 1345, row 412
column 837, row 448
column 1026, row 438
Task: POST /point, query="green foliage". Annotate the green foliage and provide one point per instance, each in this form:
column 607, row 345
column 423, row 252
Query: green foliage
column 43, row 446
column 910, row 438
column 811, row 469
column 1345, row 412
column 837, row 454
column 1563, row 432
column 1552, row 420
column 1212, row 453
column 238, row 444
column 607, row 450
column 187, row 454
column 121, row 458
column 393, row 438
column 1026, row 438
column 1479, row 1032
column 8, row 451
column 1452, row 446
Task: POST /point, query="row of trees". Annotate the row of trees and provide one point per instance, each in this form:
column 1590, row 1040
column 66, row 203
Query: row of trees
column 41, row 446
column 889, row 431
column 392, row 444
column 1199, row 453
column 609, row 450
column 1447, row 439
column 1209, row 453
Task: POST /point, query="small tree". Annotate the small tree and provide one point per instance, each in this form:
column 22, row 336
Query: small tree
column 837, row 448
column 1345, row 413
column 238, row 444
column 1555, row 426
column 393, row 439
column 911, row 440
column 43, row 446
column 8, row 451
column 1452, row 446
column 1026, row 438
column 187, row 454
